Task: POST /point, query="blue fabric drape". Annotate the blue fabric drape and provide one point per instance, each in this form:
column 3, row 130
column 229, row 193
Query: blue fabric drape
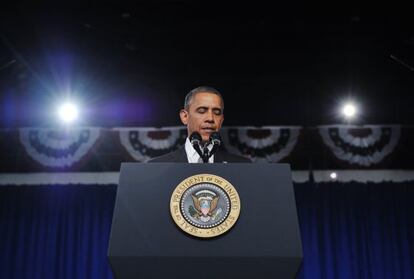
column 354, row 230
column 55, row 231
column 349, row 230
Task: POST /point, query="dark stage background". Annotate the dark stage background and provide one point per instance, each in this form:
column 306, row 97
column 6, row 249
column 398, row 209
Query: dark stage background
column 130, row 65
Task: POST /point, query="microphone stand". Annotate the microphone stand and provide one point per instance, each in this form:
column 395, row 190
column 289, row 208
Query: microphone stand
column 201, row 153
column 206, row 153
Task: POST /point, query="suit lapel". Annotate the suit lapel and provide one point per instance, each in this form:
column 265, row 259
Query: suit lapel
column 181, row 155
column 218, row 157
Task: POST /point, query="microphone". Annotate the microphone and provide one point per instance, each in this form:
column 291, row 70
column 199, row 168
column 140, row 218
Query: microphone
column 215, row 139
column 195, row 140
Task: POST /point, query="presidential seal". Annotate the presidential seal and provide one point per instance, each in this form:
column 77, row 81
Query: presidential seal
column 205, row 205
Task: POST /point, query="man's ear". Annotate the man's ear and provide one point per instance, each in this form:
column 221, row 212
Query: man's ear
column 184, row 116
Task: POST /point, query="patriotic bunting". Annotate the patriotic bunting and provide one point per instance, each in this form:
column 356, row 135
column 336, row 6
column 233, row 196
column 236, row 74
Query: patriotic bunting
column 266, row 144
column 58, row 148
column 145, row 143
column 363, row 146
column 326, row 147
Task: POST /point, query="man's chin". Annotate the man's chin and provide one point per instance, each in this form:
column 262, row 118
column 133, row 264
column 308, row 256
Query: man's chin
column 205, row 136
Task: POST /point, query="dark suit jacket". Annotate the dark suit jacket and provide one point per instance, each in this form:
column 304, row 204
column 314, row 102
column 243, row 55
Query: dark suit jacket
column 180, row 156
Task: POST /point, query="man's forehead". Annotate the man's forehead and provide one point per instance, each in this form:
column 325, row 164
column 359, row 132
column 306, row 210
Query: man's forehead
column 207, row 99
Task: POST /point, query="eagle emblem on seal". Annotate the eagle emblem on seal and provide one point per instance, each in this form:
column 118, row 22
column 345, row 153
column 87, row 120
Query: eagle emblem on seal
column 204, row 207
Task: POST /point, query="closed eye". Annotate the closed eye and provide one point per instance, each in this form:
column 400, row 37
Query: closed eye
column 201, row 109
column 217, row 111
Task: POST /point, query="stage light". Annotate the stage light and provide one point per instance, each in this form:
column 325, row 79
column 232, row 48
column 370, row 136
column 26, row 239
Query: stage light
column 349, row 110
column 333, row 175
column 68, row 112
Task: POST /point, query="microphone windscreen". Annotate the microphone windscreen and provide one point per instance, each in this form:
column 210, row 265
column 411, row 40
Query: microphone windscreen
column 215, row 138
column 195, row 138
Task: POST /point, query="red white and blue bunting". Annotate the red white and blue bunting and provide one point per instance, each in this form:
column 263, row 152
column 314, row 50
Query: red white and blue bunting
column 145, row 143
column 361, row 145
column 90, row 149
column 264, row 144
column 58, row 148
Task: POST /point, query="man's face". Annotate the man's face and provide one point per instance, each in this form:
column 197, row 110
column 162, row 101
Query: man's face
column 204, row 115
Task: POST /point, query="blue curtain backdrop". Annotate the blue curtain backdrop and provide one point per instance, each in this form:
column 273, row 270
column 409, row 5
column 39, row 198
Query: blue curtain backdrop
column 349, row 230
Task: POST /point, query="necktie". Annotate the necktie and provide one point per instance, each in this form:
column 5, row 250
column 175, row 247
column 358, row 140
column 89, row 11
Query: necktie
column 205, row 152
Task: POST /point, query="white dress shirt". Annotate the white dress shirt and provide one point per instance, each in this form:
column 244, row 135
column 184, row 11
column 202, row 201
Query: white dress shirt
column 192, row 154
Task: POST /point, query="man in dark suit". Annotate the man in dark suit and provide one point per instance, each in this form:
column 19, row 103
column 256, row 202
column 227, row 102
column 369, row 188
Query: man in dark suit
column 202, row 113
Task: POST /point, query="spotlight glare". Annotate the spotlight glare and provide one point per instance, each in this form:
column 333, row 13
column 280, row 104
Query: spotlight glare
column 333, row 175
column 68, row 112
column 349, row 110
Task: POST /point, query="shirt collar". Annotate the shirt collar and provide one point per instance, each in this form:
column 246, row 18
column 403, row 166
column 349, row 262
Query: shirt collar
column 192, row 154
column 189, row 149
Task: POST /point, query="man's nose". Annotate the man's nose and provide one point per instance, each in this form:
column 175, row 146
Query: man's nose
column 210, row 117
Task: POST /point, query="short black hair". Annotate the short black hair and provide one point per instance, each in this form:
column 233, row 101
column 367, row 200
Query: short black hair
column 207, row 89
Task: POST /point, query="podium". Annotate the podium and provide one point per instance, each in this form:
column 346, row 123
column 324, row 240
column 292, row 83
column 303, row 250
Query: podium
column 264, row 242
